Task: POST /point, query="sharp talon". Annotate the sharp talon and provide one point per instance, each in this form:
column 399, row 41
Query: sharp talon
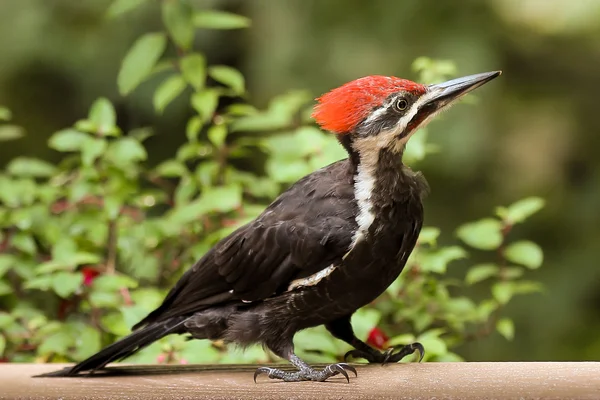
column 419, row 347
column 339, row 369
column 261, row 370
column 349, row 368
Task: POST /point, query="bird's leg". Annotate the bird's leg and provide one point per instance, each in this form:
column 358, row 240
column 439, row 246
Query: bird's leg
column 342, row 329
column 305, row 372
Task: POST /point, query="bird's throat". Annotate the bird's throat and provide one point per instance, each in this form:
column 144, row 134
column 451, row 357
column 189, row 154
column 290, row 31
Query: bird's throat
column 379, row 177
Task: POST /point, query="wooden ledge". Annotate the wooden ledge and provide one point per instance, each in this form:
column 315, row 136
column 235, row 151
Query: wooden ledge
column 506, row 380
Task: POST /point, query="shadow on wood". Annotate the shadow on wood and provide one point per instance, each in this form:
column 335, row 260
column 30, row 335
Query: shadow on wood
column 574, row 380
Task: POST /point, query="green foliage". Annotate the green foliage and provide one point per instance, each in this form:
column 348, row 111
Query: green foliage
column 8, row 131
column 91, row 245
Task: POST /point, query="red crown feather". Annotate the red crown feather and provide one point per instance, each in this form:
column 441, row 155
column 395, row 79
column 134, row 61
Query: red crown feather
column 343, row 108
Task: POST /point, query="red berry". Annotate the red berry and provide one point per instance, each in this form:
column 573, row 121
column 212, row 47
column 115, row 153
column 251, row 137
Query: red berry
column 89, row 274
column 377, row 338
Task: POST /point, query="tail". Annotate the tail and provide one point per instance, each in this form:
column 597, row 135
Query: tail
column 123, row 348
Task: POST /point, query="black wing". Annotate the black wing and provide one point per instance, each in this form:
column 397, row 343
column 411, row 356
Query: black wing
column 306, row 229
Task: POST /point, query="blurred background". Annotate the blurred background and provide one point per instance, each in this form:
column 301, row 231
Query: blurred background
column 534, row 131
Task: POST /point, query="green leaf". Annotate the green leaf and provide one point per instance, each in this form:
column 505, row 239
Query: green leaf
column 177, row 17
column 2, row 344
column 315, row 339
column 402, row 339
column 167, row 92
column 64, row 248
column 171, row 168
column 87, row 342
column 526, row 287
column 506, row 328
column 242, row 110
column 485, row 234
column 525, row 253
column 113, row 282
column 114, row 322
column 103, row 117
column 11, row 132
column 228, row 76
column 92, row 149
column 220, row 199
column 200, row 352
column 105, row 299
column 433, row 71
column 68, row 140
column 40, row 282
column 486, row 308
column 432, row 342
column 481, row 272
column 285, row 170
column 24, row 242
column 5, row 288
column 212, row 19
column 429, row 235
column 30, row 167
column 151, row 298
column 280, row 114
column 68, row 262
column 66, row 283
column 5, row 114
column 364, row 320
column 521, row 210
column 119, row 7
column 141, row 134
column 512, row 272
column 113, row 205
column 217, row 134
column 205, row 103
column 193, row 68
column 125, row 151
column 133, row 314
column 416, row 148
column 462, row 306
column 58, row 342
column 6, row 320
column 140, row 60
column 437, row 261
column 503, row 291
column 7, row 261
column 192, row 128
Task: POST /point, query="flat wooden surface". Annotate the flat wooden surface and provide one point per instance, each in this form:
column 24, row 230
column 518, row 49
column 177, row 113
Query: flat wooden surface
column 571, row 380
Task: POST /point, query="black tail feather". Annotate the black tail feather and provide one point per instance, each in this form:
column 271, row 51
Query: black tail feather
column 123, row 348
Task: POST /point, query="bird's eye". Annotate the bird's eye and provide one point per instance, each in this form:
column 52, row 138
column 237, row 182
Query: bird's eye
column 401, row 104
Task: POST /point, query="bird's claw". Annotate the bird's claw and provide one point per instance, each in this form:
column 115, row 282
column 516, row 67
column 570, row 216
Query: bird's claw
column 340, row 368
column 390, row 355
column 307, row 374
column 263, row 370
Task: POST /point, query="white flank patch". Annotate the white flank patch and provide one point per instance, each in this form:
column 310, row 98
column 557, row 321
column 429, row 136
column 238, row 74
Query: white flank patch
column 311, row 280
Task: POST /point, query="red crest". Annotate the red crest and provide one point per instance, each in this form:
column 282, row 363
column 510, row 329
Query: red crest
column 343, row 108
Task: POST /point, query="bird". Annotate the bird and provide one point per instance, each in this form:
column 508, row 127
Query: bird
column 327, row 246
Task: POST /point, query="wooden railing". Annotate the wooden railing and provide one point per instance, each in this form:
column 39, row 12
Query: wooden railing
column 508, row 380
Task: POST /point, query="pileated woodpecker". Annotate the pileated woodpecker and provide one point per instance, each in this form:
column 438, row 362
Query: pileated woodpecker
column 327, row 246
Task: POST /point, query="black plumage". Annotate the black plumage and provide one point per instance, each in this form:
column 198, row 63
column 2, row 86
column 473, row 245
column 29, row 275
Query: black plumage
column 327, row 246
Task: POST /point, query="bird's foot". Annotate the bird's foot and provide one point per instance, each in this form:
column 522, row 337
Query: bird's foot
column 391, row 355
column 307, row 374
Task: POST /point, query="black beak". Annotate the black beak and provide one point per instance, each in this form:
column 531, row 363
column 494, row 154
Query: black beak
column 442, row 94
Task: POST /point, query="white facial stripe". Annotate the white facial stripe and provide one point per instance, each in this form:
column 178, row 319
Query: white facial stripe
column 376, row 114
